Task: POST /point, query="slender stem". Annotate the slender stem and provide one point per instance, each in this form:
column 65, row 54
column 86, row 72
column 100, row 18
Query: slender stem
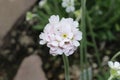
column 110, row 78
column 84, row 32
column 83, row 42
column 66, row 67
column 116, row 55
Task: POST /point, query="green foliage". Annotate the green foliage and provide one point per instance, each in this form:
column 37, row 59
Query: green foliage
column 52, row 7
column 105, row 18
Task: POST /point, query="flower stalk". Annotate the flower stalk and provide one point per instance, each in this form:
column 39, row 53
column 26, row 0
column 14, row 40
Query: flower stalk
column 66, row 67
column 116, row 55
column 83, row 30
column 110, row 78
column 83, row 47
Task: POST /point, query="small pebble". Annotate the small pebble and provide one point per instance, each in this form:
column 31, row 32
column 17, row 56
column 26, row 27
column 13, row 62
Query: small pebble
column 61, row 76
column 13, row 41
column 105, row 58
column 95, row 71
column 5, row 52
column 13, row 33
column 94, row 65
column 49, row 74
column 57, row 63
column 30, row 50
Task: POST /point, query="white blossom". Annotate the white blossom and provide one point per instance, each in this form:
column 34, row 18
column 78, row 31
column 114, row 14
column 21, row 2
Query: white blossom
column 114, row 65
column 61, row 36
column 69, row 5
column 114, row 69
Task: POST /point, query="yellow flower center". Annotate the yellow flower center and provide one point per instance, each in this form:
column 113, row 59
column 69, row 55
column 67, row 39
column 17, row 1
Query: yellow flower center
column 64, row 35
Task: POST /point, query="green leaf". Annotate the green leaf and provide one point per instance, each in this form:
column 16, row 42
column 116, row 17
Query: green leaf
column 38, row 27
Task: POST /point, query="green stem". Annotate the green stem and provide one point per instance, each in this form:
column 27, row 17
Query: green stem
column 83, row 49
column 116, row 55
column 110, row 78
column 83, row 27
column 66, row 67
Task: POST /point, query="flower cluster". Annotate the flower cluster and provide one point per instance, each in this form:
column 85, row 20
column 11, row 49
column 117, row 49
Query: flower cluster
column 69, row 5
column 115, row 68
column 61, row 36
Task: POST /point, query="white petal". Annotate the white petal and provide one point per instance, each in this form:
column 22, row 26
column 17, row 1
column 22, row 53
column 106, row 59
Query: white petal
column 41, row 36
column 68, row 9
column 61, row 43
column 66, row 40
column 59, row 51
column 64, row 4
column 52, row 48
column 56, row 51
column 70, row 20
column 42, row 42
column 110, row 64
column 66, row 53
column 47, row 39
column 75, row 23
column 54, row 43
column 53, row 53
column 72, row 8
column 47, row 28
column 116, row 64
column 76, row 43
column 78, row 35
column 70, row 35
column 54, row 19
column 58, row 38
column 69, row 51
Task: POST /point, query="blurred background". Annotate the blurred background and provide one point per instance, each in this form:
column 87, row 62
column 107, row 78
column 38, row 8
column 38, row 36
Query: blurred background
column 21, row 56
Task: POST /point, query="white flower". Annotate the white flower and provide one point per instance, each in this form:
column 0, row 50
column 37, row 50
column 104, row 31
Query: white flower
column 61, row 36
column 115, row 68
column 69, row 5
column 114, row 65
